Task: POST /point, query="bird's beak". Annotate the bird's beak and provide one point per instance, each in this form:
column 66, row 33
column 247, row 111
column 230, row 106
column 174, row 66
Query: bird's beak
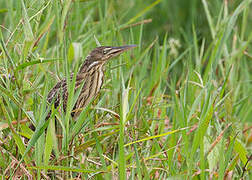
column 115, row 51
column 124, row 48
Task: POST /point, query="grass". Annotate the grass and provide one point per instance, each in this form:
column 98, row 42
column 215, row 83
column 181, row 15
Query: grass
column 177, row 107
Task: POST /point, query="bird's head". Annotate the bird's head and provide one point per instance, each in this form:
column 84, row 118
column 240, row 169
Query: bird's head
column 104, row 53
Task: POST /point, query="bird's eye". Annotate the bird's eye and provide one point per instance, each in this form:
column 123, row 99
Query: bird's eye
column 106, row 50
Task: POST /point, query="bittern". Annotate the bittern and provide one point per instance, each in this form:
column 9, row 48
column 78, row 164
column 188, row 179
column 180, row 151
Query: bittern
column 90, row 75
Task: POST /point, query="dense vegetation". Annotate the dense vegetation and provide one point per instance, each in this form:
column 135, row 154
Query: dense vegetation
column 178, row 106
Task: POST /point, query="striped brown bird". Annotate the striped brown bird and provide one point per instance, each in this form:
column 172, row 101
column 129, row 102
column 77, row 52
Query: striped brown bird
column 91, row 74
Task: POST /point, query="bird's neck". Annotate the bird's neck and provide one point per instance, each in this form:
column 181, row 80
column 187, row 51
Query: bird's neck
column 89, row 64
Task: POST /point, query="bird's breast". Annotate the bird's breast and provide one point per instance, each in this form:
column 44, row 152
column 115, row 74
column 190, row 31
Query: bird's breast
column 92, row 84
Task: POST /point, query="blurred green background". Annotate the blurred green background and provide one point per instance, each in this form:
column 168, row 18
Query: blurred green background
column 173, row 17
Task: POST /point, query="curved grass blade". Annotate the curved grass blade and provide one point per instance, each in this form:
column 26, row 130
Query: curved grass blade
column 64, row 168
column 156, row 136
column 26, row 64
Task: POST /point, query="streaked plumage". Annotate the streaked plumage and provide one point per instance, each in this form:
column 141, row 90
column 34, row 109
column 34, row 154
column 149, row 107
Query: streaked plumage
column 91, row 73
